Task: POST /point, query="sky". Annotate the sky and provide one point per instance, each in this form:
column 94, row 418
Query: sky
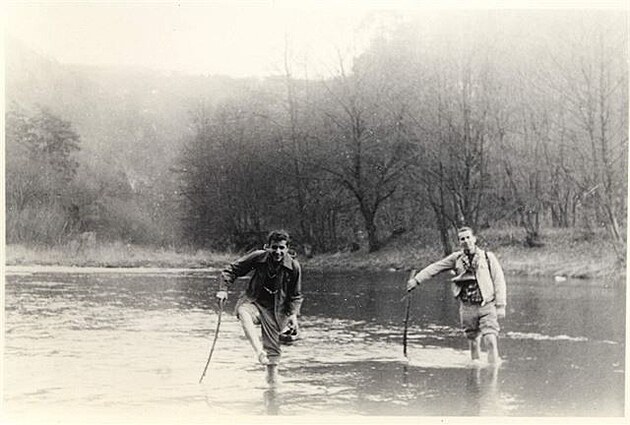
column 236, row 38
column 199, row 38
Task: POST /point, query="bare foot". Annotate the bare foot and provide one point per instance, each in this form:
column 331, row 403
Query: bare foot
column 494, row 361
column 475, row 363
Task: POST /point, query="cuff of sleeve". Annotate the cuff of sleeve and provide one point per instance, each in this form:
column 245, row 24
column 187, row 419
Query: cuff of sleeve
column 421, row 277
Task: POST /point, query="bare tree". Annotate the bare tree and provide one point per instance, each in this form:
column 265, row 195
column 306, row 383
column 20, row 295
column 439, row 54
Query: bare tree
column 589, row 80
column 366, row 143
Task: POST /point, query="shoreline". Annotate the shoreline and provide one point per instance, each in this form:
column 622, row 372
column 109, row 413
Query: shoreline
column 329, row 263
column 22, row 270
column 566, row 255
column 38, row 268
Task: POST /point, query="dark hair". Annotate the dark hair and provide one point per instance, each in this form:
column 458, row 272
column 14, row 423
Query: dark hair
column 277, row 236
column 465, row 229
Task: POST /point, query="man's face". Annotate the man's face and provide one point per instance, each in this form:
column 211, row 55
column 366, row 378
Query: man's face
column 467, row 241
column 277, row 250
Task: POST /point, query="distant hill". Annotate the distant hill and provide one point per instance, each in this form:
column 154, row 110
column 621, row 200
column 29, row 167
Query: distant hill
column 129, row 119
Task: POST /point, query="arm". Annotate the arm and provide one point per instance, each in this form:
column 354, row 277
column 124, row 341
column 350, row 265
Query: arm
column 294, row 295
column 498, row 279
column 447, row 263
column 231, row 272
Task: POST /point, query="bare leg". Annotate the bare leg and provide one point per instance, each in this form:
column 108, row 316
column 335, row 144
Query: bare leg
column 250, row 332
column 474, row 348
column 272, row 374
column 490, row 341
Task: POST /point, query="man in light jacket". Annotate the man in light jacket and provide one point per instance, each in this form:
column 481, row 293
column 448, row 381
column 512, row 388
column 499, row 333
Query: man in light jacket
column 479, row 285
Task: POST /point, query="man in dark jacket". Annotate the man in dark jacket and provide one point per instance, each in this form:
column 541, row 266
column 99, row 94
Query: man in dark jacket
column 272, row 299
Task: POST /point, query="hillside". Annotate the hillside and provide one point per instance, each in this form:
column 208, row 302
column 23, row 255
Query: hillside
column 132, row 120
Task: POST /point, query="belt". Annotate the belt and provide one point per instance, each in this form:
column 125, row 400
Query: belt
column 471, row 303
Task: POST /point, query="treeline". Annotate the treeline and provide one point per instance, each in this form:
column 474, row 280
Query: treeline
column 55, row 195
column 471, row 125
column 481, row 122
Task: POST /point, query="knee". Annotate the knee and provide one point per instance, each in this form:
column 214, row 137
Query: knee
column 490, row 340
column 243, row 314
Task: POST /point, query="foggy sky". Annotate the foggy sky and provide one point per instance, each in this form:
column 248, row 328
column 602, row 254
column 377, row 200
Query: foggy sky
column 245, row 38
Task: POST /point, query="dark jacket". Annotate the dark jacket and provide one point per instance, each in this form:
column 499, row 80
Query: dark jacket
column 288, row 299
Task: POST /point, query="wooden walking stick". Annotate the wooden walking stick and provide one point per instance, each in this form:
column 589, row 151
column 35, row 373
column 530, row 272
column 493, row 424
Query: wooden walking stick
column 408, row 296
column 214, row 342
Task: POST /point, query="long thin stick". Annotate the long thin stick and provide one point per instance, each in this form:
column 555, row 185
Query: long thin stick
column 411, row 275
column 214, row 342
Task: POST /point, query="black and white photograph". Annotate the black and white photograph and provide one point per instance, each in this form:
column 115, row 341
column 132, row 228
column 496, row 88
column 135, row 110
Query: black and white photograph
column 314, row 212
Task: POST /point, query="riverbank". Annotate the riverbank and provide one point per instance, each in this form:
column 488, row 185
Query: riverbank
column 566, row 254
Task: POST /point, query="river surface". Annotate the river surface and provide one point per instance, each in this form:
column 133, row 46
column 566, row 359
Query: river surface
column 111, row 346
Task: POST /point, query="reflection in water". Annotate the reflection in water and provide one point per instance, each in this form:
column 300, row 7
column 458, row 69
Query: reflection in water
column 270, row 397
column 405, row 375
column 482, row 384
column 106, row 344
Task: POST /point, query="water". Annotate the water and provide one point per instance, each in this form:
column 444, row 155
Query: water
column 82, row 347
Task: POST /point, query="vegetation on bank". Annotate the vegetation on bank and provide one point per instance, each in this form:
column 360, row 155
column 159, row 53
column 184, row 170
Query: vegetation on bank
column 420, row 129
column 114, row 254
column 565, row 253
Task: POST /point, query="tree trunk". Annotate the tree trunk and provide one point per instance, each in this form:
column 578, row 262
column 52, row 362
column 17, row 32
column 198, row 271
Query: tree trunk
column 370, row 227
column 447, row 248
column 441, row 220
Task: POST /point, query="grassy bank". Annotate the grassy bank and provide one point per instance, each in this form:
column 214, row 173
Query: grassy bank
column 565, row 253
column 568, row 253
column 114, row 254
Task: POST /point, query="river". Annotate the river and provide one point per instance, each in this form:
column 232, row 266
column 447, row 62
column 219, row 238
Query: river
column 99, row 346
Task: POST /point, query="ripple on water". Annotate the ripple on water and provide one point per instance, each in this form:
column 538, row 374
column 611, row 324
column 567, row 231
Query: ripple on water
column 540, row 337
column 109, row 344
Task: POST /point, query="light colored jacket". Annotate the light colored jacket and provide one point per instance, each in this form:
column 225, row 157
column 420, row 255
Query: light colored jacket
column 489, row 276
